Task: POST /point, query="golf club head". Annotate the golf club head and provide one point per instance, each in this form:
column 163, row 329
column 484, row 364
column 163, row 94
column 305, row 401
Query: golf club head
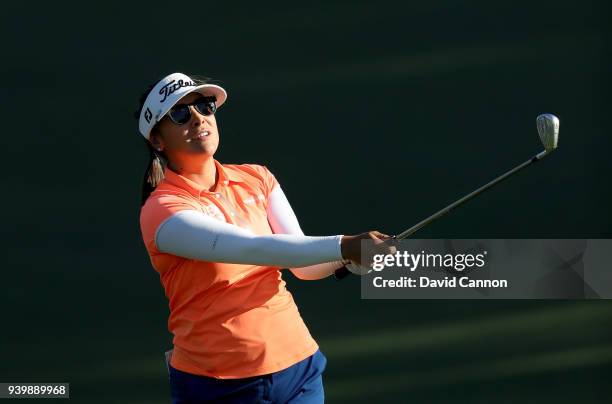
column 548, row 129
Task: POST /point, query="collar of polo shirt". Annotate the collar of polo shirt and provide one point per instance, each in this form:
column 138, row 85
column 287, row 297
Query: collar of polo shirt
column 225, row 176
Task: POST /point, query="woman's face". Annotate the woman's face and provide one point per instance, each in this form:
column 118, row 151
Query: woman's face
column 198, row 136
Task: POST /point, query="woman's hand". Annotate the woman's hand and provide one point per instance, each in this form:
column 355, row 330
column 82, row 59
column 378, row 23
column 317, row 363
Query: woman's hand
column 378, row 243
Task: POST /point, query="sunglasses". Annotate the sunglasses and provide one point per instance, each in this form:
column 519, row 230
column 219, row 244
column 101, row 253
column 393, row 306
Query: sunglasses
column 180, row 114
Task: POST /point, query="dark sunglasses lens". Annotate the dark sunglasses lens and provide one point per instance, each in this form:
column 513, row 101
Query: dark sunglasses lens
column 180, row 115
column 206, row 107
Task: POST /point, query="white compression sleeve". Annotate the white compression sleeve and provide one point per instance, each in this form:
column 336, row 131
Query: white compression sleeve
column 193, row 234
column 282, row 220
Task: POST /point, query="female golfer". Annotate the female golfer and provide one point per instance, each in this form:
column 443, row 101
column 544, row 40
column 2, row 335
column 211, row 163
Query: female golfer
column 219, row 234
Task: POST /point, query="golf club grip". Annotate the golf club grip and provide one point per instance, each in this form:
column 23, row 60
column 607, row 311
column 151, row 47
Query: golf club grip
column 341, row 273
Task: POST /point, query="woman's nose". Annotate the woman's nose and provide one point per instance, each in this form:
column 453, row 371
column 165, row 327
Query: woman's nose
column 196, row 117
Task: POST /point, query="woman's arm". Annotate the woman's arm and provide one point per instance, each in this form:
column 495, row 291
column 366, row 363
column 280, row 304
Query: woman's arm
column 282, row 220
column 192, row 234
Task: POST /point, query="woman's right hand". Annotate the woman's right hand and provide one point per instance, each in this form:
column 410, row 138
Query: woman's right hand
column 350, row 247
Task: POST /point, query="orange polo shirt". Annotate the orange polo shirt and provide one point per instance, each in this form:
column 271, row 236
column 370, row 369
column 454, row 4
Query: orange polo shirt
column 228, row 320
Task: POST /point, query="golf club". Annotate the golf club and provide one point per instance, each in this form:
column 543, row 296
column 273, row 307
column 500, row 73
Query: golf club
column 548, row 129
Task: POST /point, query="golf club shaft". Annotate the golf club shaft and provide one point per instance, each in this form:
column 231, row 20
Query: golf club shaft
column 343, row 272
column 466, row 198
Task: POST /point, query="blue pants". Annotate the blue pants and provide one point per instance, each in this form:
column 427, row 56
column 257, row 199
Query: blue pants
column 301, row 383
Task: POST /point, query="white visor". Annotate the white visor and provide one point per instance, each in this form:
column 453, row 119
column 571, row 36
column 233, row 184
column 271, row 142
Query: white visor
column 167, row 92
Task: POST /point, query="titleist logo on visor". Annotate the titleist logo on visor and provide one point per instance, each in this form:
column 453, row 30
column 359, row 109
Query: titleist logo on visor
column 171, row 87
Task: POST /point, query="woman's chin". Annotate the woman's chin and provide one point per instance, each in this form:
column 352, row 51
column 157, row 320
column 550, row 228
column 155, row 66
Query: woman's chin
column 203, row 148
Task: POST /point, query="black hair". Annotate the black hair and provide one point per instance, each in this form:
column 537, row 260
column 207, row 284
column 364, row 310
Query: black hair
column 154, row 174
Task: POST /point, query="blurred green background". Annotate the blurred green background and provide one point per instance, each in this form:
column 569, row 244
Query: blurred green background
column 372, row 116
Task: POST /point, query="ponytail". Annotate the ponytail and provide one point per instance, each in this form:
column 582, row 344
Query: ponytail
column 154, row 173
